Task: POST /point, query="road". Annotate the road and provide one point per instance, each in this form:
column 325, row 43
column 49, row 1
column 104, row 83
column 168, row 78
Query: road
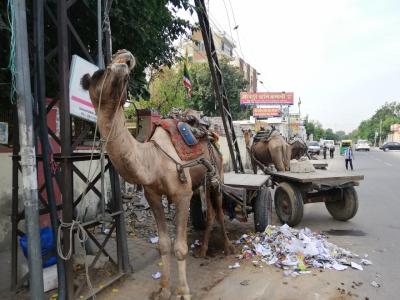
column 373, row 231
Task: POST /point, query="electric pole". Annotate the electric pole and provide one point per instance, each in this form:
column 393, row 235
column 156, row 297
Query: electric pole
column 27, row 152
column 380, row 133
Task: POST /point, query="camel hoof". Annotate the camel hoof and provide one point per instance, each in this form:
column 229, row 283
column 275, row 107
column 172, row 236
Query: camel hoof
column 229, row 249
column 200, row 253
column 161, row 294
column 184, row 297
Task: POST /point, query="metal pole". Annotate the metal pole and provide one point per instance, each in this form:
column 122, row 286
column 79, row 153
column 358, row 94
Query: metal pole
column 100, row 59
column 40, row 94
column 14, row 213
column 65, row 131
column 380, row 133
column 28, row 155
column 288, row 114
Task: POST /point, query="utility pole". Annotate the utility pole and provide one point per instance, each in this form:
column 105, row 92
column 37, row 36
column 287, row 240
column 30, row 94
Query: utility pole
column 27, row 152
column 288, row 115
column 380, row 133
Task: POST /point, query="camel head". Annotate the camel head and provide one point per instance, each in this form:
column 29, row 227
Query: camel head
column 247, row 135
column 110, row 84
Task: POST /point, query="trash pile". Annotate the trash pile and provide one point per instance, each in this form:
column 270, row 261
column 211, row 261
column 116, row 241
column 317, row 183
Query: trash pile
column 297, row 251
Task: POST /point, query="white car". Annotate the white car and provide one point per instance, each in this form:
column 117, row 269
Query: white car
column 362, row 145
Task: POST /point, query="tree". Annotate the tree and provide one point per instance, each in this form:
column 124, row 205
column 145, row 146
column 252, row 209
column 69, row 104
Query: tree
column 167, row 90
column 203, row 97
column 147, row 28
column 388, row 114
column 330, row 135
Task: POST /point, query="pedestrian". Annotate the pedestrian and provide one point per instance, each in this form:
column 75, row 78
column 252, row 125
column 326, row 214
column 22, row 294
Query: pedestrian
column 324, row 149
column 348, row 156
column 331, row 150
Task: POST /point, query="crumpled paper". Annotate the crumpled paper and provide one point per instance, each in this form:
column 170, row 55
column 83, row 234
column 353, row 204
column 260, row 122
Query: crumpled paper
column 296, row 251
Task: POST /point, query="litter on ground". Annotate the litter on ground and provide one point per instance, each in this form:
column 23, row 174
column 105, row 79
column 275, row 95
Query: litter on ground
column 296, row 251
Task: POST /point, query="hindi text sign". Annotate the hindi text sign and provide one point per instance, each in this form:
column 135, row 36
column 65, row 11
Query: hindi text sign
column 269, row 98
column 261, row 112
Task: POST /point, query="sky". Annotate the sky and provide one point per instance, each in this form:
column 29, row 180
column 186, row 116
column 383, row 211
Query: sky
column 342, row 57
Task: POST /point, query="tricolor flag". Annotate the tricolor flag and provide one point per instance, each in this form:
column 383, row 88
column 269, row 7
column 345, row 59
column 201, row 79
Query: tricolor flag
column 186, row 80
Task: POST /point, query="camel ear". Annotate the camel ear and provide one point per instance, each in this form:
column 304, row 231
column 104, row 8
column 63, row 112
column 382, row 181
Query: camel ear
column 85, row 82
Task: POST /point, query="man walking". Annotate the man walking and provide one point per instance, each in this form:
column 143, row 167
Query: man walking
column 348, row 156
column 331, row 150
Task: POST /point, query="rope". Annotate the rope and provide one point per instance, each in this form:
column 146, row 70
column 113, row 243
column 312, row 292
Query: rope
column 11, row 63
column 82, row 238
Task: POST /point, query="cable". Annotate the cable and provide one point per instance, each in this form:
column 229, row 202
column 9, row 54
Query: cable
column 237, row 30
column 11, row 63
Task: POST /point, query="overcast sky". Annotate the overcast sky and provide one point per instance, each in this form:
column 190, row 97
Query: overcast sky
column 341, row 57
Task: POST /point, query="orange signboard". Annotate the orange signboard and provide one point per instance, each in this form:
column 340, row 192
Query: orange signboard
column 266, row 111
column 247, row 98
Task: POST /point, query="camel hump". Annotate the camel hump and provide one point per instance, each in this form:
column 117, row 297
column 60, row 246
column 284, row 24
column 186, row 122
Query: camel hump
column 85, row 82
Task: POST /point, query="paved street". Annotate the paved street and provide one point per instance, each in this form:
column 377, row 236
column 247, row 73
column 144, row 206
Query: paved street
column 373, row 231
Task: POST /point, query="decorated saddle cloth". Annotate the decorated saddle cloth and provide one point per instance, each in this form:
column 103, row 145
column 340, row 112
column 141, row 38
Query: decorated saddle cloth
column 189, row 150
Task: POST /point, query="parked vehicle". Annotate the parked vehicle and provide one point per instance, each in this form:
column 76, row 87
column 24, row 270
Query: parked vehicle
column 390, row 146
column 313, row 148
column 362, row 145
column 345, row 144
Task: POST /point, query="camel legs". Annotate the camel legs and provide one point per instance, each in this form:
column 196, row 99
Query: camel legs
column 155, row 203
column 228, row 247
column 181, row 247
column 202, row 252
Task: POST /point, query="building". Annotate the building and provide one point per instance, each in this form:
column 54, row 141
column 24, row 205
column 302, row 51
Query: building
column 394, row 135
column 195, row 50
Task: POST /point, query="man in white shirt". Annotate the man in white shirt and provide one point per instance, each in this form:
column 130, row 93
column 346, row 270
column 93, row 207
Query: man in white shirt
column 348, row 156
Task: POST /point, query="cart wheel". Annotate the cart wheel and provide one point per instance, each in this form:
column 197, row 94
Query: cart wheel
column 262, row 209
column 197, row 215
column 346, row 208
column 289, row 204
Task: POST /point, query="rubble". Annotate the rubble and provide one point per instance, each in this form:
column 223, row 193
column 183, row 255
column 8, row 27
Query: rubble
column 139, row 218
column 296, row 251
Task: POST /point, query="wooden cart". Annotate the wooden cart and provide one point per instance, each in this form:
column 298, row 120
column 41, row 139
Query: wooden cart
column 243, row 194
column 336, row 189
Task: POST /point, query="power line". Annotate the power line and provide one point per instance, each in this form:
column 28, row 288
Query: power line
column 236, row 26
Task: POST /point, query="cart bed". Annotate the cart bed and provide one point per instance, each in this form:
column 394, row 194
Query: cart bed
column 248, row 181
column 319, row 176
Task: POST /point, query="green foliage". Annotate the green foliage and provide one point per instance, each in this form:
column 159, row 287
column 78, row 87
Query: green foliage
column 203, row 97
column 167, row 90
column 147, row 28
column 388, row 114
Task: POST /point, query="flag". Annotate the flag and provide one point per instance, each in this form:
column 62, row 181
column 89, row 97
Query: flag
column 186, row 80
column 299, row 101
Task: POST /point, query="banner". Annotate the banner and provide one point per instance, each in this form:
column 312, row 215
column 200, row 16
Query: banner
column 266, row 112
column 247, row 98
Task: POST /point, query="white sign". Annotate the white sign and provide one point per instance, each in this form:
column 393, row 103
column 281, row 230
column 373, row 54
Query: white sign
column 80, row 104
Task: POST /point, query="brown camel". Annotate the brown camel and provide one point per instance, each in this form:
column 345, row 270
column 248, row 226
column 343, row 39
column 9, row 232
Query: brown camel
column 269, row 149
column 148, row 164
column 297, row 148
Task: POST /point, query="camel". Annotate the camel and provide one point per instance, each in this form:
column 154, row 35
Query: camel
column 152, row 165
column 271, row 148
column 297, row 148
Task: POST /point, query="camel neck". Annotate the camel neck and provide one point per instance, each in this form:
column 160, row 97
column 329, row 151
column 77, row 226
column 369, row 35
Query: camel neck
column 128, row 156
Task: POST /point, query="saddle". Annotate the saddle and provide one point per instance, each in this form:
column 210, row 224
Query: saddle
column 262, row 136
column 186, row 132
